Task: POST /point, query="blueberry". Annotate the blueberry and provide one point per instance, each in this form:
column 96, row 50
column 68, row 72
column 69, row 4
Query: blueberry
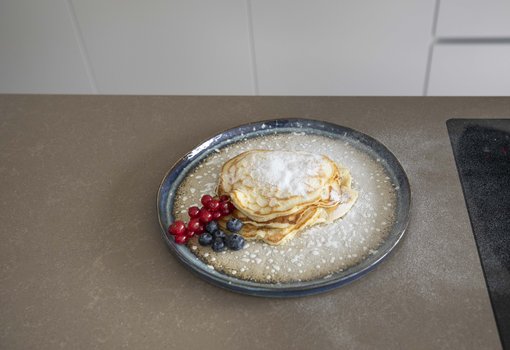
column 219, row 234
column 205, row 239
column 234, row 225
column 235, row 242
column 218, row 245
column 211, row 226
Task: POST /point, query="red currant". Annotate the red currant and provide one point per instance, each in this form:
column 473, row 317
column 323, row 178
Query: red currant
column 206, row 199
column 193, row 212
column 200, row 230
column 182, row 239
column 193, row 225
column 224, row 208
column 224, row 198
column 213, row 205
column 231, row 207
column 216, row 215
column 177, row 228
column 205, row 216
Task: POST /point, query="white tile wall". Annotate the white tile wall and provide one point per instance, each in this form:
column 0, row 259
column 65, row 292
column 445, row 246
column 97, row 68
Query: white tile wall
column 474, row 18
column 270, row 47
column 167, row 47
column 473, row 70
column 38, row 49
column 324, row 47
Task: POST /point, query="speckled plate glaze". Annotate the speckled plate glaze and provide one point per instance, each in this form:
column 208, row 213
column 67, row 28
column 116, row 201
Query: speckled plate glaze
column 172, row 180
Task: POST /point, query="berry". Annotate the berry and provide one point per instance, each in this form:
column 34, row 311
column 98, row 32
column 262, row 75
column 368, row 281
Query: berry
column 193, row 225
column 177, row 228
column 231, row 207
column 224, row 198
column 235, row 242
column 234, row 225
column 181, row 239
column 218, row 245
column 193, row 212
column 216, row 215
column 211, row 226
column 213, row 205
column 200, row 230
column 205, row 239
column 224, row 208
column 206, row 199
column 205, row 216
column 190, row 234
column 219, row 234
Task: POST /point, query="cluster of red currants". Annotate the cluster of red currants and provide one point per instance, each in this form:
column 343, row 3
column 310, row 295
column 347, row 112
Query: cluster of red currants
column 213, row 209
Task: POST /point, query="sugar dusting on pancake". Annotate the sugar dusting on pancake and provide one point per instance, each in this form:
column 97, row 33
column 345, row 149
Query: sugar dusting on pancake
column 289, row 172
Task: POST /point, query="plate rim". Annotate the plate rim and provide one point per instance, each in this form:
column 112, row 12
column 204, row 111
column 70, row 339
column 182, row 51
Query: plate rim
column 283, row 290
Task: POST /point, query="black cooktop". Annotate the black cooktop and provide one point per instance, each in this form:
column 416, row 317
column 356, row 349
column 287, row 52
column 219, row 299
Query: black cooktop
column 482, row 153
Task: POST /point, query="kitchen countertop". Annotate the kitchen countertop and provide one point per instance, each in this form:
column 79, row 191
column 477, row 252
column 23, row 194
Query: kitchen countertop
column 83, row 264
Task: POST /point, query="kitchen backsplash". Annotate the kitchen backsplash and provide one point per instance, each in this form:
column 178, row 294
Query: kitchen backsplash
column 255, row 47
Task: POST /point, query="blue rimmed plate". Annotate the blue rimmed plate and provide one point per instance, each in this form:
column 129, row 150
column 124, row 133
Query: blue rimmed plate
column 172, row 180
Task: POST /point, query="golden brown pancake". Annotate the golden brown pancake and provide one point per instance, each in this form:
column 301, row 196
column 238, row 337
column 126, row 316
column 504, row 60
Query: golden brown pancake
column 279, row 193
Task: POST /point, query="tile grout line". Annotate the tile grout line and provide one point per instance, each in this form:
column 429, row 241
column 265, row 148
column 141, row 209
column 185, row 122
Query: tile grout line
column 81, row 46
column 252, row 48
column 436, row 18
column 471, row 40
column 428, row 68
column 431, row 48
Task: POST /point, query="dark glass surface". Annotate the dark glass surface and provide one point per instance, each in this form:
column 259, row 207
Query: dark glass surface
column 482, row 154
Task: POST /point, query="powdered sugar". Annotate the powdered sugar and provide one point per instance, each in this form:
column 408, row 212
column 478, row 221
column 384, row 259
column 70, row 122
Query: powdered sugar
column 335, row 196
column 289, row 172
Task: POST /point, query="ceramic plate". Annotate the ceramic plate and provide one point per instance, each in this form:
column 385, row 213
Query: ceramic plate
column 359, row 142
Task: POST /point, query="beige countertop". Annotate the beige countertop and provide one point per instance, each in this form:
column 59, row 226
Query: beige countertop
column 83, row 265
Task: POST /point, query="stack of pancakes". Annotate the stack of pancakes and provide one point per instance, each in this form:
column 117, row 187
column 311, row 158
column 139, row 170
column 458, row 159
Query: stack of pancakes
column 279, row 193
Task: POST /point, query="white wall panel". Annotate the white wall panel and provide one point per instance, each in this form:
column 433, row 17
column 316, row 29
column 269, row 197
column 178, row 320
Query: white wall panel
column 39, row 49
column 167, row 47
column 342, row 47
column 474, row 18
column 472, row 70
